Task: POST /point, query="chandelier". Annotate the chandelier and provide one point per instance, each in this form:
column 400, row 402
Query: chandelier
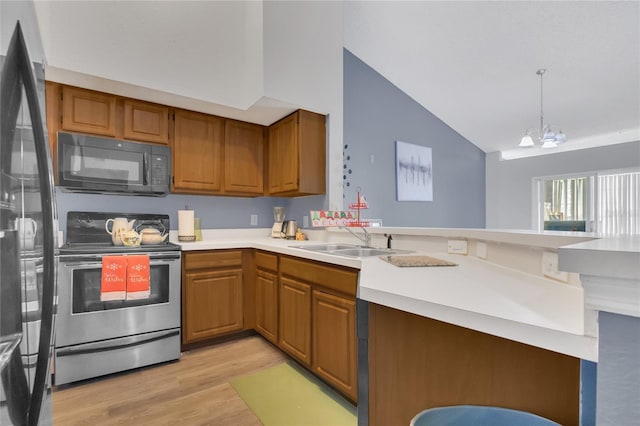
column 545, row 135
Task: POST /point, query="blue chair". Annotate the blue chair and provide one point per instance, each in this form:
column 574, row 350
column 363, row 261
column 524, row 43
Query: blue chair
column 475, row 415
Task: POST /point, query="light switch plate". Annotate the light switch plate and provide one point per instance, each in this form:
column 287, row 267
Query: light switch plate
column 457, row 247
column 550, row 267
column 254, row 220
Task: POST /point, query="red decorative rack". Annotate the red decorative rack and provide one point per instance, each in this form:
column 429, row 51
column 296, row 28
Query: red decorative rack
column 360, row 205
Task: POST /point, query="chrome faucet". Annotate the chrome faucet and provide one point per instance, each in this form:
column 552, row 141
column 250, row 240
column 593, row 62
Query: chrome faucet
column 366, row 239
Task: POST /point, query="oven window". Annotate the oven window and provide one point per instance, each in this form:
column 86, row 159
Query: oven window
column 102, row 165
column 86, row 290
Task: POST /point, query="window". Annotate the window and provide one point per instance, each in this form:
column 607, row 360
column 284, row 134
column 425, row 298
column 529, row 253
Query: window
column 618, row 206
column 606, row 202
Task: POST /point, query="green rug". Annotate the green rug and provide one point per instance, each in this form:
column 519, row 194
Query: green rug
column 287, row 395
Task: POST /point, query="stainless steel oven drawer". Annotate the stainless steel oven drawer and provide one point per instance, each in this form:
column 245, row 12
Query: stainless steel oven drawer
column 80, row 362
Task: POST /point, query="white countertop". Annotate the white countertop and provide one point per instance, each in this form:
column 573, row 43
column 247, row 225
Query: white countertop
column 476, row 294
column 611, row 257
column 609, row 271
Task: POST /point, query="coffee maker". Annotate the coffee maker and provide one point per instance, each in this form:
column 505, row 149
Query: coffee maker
column 278, row 217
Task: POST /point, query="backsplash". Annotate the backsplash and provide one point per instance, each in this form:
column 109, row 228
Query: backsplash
column 214, row 212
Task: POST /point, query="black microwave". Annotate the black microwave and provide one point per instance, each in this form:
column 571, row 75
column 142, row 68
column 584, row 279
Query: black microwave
column 93, row 164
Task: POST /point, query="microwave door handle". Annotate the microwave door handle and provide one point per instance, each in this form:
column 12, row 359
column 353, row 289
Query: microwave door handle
column 145, row 168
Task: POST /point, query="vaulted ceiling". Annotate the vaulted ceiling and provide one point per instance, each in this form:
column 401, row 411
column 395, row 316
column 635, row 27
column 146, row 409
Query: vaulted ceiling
column 473, row 64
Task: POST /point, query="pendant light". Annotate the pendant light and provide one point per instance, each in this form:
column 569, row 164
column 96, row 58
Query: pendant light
column 545, row 135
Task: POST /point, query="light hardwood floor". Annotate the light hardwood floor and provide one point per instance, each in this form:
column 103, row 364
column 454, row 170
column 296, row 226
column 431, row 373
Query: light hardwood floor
column 193, row 391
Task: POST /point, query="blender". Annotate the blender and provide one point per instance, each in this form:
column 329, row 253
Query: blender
column 278, row 217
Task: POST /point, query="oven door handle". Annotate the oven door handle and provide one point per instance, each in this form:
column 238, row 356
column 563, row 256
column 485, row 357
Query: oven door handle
column 96, row 260
column 109, row 346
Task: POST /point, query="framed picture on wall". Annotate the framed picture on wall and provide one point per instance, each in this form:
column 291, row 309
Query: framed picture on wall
column 414, row 172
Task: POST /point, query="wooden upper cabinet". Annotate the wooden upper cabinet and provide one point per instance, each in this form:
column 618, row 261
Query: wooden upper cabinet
column 87, row 111
column 145, row 121
column 243, row 158
column 197, row 153
column 297, row 155
column 283, row 156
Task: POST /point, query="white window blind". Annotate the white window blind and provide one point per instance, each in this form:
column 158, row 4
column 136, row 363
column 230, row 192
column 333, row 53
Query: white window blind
column 618, row 205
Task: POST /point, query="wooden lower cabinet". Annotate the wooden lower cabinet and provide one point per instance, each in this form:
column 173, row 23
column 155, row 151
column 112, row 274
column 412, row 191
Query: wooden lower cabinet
column 334, row 341
column 318, row 320
column 266, row 295
column 295, row 319
column 267, row 301
column 212, row 294
column 417, row 363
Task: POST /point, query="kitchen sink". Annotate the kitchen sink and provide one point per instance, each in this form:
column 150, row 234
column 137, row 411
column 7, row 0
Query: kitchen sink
column 366, row 251
column 328, row 247
column 351, row 250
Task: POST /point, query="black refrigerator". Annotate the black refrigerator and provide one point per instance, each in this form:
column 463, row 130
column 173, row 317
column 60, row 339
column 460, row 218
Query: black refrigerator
column 28, row 249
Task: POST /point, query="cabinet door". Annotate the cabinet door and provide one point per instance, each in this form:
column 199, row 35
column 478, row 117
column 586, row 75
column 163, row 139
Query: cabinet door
column 197, row 152
column 88, row 112
column 145, row 121
column 267, row 305
column 213, row 303
column 334, row 341
column 283, row 156
column 295, row 319
column 243, row 157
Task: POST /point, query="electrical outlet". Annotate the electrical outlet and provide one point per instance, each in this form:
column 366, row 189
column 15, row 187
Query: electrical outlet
column 550, row 267
column 457, row 247
column 481, row 250
column 254, row 220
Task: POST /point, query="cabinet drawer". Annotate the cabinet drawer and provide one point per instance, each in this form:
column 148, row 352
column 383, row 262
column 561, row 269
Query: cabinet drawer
column 267, row 261
column 344, row 280
column 209, row 259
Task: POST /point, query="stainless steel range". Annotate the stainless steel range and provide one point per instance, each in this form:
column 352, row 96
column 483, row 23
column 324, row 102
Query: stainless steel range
column 96, row 337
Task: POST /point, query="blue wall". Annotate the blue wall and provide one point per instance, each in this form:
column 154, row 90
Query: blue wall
column 376, row 114
column 618, row 383
column 214, row 212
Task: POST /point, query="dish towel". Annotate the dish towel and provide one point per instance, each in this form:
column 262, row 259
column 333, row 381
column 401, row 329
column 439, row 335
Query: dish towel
column 113, row 284
column 138, row 286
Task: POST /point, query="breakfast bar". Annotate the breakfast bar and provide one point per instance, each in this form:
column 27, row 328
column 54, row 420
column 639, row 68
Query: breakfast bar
column 494, row 326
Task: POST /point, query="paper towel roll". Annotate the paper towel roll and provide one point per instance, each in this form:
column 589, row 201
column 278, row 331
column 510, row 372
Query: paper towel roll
column 185, row 225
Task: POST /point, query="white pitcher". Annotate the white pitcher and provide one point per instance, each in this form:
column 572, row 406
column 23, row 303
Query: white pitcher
column 119, row 225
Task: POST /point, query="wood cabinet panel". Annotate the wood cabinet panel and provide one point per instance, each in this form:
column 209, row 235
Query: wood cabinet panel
column 417, row 363
column 87, row 111
column 334, row 341
column 295, row 319
column 344, row 280
column 197, row 152
column 266, row 261
column 297, row 155
column 145, row 121
column 212, row 259
column 214, row 303
column 243, row 158
column 213, row 293
column 283, row 156
column 267, row 305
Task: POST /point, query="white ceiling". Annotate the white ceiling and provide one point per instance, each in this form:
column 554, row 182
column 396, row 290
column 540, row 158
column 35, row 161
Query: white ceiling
column 473, row 64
